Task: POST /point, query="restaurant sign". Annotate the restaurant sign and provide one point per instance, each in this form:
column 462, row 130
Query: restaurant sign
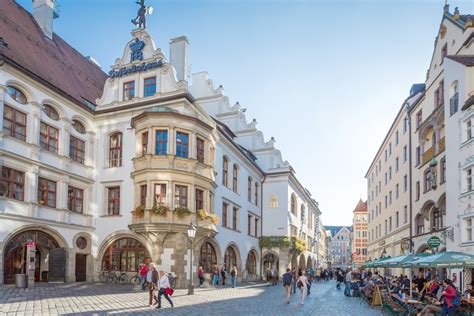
column 434, row 242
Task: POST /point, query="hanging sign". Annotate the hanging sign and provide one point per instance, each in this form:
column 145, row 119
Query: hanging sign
column 434, row 242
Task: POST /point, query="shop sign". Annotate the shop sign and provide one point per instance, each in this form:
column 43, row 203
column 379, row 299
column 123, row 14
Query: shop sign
column 135, row 68
column 434, row 242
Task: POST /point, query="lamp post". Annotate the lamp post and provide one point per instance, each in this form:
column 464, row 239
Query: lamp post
column 191, row 235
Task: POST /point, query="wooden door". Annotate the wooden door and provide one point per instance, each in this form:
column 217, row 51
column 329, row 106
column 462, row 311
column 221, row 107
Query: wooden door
column 14, row 264
column 81, row 268
column 38, row 266
column 57, row 265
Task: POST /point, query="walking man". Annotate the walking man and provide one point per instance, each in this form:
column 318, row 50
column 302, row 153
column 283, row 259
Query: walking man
column 152, row 279
column 348, row 280
column 163, row 285
column 215, row 276
column 287, row 281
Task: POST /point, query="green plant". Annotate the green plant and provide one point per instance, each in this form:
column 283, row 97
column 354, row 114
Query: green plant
column 159, row 209
column 274, row 241
column 139, row 210
column 214, row 218
column 299, row 244
column 182, row 211
column 203, row 214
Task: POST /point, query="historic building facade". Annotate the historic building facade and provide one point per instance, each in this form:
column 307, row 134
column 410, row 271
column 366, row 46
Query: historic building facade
column 339, row 246
column 102, row 171
column 359, row 240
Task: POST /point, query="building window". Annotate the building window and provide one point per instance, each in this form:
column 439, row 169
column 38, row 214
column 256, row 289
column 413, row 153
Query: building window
column 77, row 149
column 115, row 150
column 143, row 189
column 200, row 150
column 144, row 143
column 396, row 138
column 113, row 201
column 14, row 123
column 444, row 52
column 397, row 191
column 256, row 193
column 390, row 173
column 46, row 192
column 78, row 126
column 251, row 263
column 225, row 171
column 436, row 219
column 128, row 90
column 420, row 224
column 396, row 164
column 75, row 199
column 469, row 186
column 386, row 178
column 235, row 216
column 386, row 227
column 224, row 214
column 50, row 112
column 469, row 224
column 161, row 142
column 405, row 125
column 443, row 170
column 390, row 198
column 230, row 259
column 390, row 149
column 249, row 225
column 16, row 95
column 454, row 101
column 390, row 224
column 235, row 178
column 49, row 138
column 468, row 130
column 149, row 87
column 418, row 156
column 182, row 145
column 405, row 183
column 405, row 214
column 405, row 153
column 417, row 191
column 124, row 255
column 208, row 258
column 160, row 194
column 257, row 223
column 249, row 189
column 181, row 196
column 427, row 180
column 12, row 184
column 199, row 199
column 397, row 220
column 293, row 204
column 386, row 156
column 419, row 119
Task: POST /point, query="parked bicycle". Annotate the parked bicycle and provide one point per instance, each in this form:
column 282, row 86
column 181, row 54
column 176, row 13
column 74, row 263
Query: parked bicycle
column 108, row 277
column 135, row 280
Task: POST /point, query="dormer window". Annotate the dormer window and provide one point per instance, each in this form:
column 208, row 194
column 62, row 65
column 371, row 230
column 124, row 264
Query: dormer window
column 149, row 87
column 16, row 95
column 128, row 90
column 51, row 112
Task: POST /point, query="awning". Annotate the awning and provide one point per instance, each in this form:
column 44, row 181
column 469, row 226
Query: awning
column 448, row 259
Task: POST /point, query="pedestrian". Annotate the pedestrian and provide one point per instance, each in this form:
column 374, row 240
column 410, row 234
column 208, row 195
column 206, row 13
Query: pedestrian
column 164, row 288
column 318, row 274
column 339, row 279
column 309, row 284
column 200, row 274
column 223, row 274
column 294, row 276
column 451, row 299
column 233, row 276
column 215, row 276
column 274, row 275
column 287, row 281
column 152, row 279
column 143, row 273
column 302, row 285
column 348, row 282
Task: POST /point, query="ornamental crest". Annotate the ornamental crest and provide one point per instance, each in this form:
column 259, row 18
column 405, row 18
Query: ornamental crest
column 274, row 201
column 137, row 50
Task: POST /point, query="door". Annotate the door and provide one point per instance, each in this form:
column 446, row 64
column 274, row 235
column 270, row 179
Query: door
column 57, row 265
column 38, row 266
column 81, row 267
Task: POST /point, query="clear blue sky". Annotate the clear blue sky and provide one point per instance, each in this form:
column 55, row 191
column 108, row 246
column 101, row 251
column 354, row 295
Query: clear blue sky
column 325, row 78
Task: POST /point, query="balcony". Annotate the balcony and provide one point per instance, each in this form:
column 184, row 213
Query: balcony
column 427, row 155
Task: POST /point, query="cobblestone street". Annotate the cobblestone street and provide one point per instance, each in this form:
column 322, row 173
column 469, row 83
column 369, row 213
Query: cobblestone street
column 249, row 299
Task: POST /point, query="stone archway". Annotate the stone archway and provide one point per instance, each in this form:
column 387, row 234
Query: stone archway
column 302, row 262
column 50, row 256
column 309, row 263
column 269, row 260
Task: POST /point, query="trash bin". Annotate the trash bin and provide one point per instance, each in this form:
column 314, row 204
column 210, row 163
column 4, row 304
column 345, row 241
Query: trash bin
column 21, row 280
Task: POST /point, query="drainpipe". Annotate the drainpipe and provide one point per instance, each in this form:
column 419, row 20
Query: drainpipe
column 410, row 178
column 261, row 226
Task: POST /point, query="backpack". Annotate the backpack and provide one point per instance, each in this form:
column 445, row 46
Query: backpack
column 457, row 299
column 287, row 279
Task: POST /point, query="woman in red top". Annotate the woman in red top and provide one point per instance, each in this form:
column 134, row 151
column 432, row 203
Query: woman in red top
column 200, row 273
column 449, row 294
column 143, row 273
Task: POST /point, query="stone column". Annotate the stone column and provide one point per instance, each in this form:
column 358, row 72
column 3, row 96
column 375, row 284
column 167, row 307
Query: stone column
column 33, row 136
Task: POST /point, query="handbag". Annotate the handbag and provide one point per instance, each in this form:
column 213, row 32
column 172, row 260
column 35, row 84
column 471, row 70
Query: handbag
column 299, row 284
column 169, row 291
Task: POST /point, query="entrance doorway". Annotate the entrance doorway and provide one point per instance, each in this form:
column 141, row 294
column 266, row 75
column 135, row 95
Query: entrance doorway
column 15, row 256
column 81, row 268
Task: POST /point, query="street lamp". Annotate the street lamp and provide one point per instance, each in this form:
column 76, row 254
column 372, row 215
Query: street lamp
column 191, row 235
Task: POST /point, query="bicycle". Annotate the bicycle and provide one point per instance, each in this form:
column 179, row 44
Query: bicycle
column 135, row 280
column 108, row 277
column 123, row 278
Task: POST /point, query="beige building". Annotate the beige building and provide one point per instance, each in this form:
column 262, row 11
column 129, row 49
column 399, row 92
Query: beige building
column 388, row 187
column 359, row 234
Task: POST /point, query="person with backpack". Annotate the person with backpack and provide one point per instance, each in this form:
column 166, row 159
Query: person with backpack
column 233, row 276
column 287, row 281
column 452, row 299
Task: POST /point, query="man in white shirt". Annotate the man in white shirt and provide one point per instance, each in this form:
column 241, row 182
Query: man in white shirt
column 348, row 280
column 151, row 279
column 163, row 284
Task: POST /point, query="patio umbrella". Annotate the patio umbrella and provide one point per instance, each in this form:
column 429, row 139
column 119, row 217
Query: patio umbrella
column 397, row 262
column 446, row 259
column 381, row 262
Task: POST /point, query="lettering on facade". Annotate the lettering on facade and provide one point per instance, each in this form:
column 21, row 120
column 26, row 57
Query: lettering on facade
column 135, row 68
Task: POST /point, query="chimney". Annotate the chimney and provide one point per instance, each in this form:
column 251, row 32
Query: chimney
column 44, row 11
column 179, row 47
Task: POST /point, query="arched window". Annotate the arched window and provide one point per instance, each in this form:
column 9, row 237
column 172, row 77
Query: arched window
column 302, row 213
column 249, row 189
column 420, row 224
column 115, row 150
column 124, row 254
column 252, row 263
column 225, row 170
column 51, row 112
column 207, row 258
column 293, row 204
column 16, row 95
column 78, row 126
column 230, row 259
column 235, row 178
column 436, row 219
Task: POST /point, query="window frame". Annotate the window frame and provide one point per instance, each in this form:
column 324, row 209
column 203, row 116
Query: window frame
column 113, row 200
column 159, row 198
column 128, row 90
column 144, row 143
column 182, row 144
column 149, row 89
column 73, row 199
column 14, row 123
column 235, row 178
column 225, row 171
column 115, row 150
column 180, row 196
column 161, row 143
column 46, row 138
column 200, row 149
column 77, row 149
column 10, row 184
column 143, row 194
column 17, row 93
column 44, row 192
column 199, row 199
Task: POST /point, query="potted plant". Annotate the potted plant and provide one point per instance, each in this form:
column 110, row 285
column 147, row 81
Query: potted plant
column 214, row 218
column 182, row 211
column 159, row 209
column 139, row 211
column 203, row 214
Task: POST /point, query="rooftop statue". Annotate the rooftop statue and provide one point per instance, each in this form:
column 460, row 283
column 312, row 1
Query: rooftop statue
column 140, row 20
